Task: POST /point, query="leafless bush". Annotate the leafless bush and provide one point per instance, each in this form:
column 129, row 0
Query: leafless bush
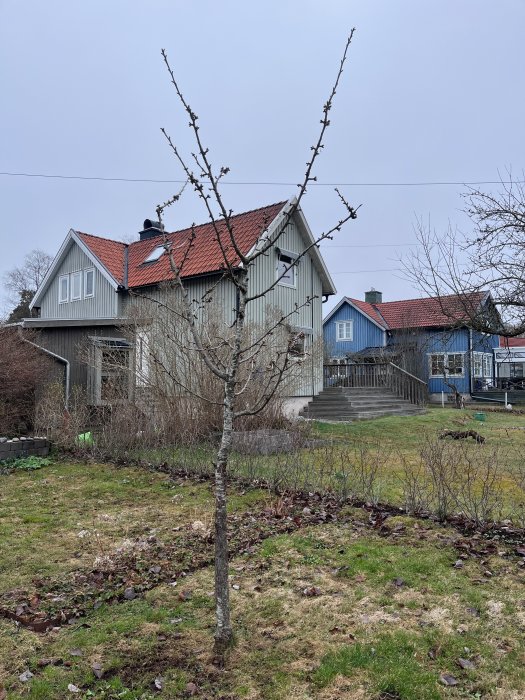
column 417, row 488
column 58, row 425
column 465, row 479
column 439, row 460
column 345, row 470
column 22, row 368
column 479, row 490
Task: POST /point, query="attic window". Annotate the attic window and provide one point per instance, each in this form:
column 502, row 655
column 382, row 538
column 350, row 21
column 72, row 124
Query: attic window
column 155, row 254
column 286, row 268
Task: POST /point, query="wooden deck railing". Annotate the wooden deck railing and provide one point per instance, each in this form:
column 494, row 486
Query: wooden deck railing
column 369, row 375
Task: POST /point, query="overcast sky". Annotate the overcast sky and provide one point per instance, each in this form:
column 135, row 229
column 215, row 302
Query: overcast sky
column 433, row 92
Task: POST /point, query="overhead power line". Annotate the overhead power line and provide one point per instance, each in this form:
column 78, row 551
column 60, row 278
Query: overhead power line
column 268, row 183
column 360, row 272
column 370, row 245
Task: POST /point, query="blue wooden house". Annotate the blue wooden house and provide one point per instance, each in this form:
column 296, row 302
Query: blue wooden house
column 427, row 337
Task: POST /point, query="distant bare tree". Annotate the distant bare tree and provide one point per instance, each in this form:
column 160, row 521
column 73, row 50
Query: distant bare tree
column 229, row 355
column 489, row 258
column 22, row 282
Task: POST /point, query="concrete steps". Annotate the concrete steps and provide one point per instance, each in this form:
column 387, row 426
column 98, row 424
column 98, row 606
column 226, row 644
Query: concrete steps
column 361, row 403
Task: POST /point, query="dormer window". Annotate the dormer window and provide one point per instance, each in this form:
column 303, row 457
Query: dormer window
column 155, row 254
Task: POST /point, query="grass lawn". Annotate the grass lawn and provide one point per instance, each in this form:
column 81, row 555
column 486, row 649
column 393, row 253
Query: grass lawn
column 406, row 433
column 322, row 608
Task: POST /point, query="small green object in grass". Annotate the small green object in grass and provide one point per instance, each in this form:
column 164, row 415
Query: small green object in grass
column 85, row 439
column 480, row 416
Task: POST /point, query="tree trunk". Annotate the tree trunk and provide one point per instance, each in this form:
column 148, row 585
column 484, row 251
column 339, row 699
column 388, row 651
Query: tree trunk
column 223, row 630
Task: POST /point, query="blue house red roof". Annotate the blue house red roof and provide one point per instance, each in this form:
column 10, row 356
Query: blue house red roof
column 427, row 312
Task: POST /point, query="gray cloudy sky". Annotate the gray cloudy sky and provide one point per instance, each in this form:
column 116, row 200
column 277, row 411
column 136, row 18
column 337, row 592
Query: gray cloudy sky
column 433, row 91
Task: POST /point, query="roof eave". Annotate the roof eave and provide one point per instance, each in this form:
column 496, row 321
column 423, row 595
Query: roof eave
column 354, row 306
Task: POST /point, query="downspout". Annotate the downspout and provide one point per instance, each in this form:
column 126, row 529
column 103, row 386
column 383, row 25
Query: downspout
column 471, row 359
column 56, row 357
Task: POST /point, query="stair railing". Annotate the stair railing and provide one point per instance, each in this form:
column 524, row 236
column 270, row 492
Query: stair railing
column 407, row 385
column 376, row 375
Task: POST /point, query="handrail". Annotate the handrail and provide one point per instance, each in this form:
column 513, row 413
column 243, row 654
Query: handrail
column 413, row 376
column 378, row 375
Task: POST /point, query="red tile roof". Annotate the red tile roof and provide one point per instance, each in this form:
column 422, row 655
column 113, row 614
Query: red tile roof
column 204, row 257
column 429, row 312
column 370, row 310
column 511, row 342
column 110, row 253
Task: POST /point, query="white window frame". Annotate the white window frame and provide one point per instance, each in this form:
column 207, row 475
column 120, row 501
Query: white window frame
column 61, row 299
column 142, row 358
column 86, row 272
column 445, row 356
column 477, row 365
column 488, row 371
column 344, row 338
column 75, row 276
column 290, row 264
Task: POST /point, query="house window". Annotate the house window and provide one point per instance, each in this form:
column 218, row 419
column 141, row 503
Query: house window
column 142, row 359
column 455, row 364
column 109, row 371
column 286, row 269
column 76, row 286
column 63, row 289
column 450, row 363
column 344, row 330
column 487, row 366
column 298, row 344
column 477, row 364
column 89, row 283
column 437, row 364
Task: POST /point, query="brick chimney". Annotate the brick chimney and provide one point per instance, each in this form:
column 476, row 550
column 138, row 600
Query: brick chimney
column 373, row 296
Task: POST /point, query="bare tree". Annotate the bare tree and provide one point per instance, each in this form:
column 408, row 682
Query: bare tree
column 490, row 258
column 22, row 282
column 233, row 357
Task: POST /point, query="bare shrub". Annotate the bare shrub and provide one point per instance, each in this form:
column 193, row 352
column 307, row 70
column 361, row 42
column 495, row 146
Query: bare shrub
column 466, row 479
column 417, row 488
column 58, row 425
column 439, row 460
column 22, row 368
column 479, row 489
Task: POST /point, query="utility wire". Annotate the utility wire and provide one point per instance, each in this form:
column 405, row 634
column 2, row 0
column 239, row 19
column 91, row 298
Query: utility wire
column 370, row 245
column 359, row 272
column 263, row 183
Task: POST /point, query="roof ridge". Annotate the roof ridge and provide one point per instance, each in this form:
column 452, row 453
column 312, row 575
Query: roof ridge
column 443, row 296
column 101, row 238
column 233, row 216
column 186, row 228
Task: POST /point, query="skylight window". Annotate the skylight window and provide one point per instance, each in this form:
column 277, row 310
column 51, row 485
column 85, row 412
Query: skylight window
column 155, row 254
